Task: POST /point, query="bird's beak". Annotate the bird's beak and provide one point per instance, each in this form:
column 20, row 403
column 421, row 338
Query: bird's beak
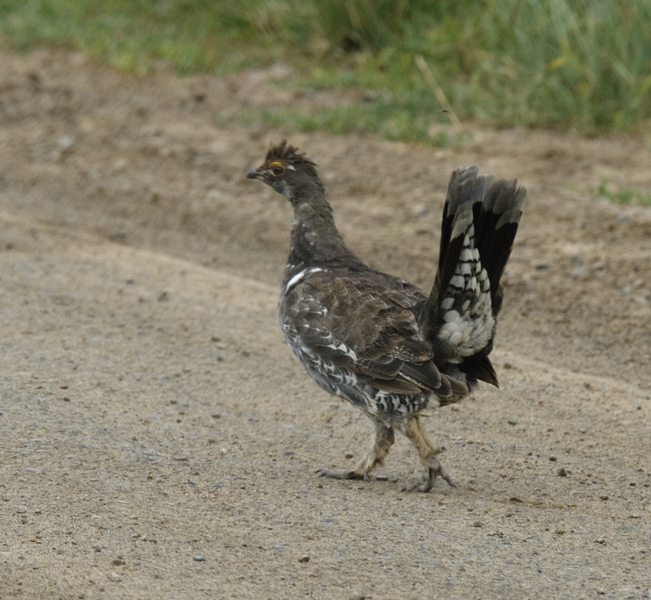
column 254, row 174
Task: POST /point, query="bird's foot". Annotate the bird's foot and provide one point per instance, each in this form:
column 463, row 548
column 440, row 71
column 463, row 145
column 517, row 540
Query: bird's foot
column 419, row 486
column 342, row 474
column 434, row 470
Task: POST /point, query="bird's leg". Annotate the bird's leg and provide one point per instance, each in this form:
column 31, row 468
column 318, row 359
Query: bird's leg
column 383, row 440
column 427, row 453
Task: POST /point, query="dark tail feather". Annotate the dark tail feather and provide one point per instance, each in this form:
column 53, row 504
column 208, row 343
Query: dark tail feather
column 480, row 220
column 496, row 220
column 478, row 366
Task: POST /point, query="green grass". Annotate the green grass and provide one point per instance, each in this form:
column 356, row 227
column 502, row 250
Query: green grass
column 190, row 35
column 392, row 120
column 625, row 195
column 566, row 64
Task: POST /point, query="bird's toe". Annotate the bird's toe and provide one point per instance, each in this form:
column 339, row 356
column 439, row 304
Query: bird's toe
column 436, row 470
column 340, row 474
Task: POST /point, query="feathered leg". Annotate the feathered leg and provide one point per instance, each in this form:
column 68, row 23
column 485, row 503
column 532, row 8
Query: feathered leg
column 427, row 453
column 384, row 438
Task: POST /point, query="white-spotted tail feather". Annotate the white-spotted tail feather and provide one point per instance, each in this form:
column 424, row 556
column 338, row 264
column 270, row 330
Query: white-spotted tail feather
column 466, row 307
column 480, row 220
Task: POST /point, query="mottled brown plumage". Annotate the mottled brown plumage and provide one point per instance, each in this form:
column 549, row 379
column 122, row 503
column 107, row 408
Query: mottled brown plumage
column 376, row 340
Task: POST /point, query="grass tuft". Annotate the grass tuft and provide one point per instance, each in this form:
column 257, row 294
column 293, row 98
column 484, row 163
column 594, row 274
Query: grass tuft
column 570, row 64
column 625, row 195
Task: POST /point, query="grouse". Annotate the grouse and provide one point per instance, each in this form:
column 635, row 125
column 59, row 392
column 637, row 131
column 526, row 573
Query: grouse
column 376, row 340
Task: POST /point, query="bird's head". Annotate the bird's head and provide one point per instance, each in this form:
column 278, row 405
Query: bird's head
column 286, row 171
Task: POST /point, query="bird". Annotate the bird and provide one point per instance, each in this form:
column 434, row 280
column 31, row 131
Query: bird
column 378, row 341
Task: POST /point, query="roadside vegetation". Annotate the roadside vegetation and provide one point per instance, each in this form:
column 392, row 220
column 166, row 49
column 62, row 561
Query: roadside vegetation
column 581, row 65
column 624, row 195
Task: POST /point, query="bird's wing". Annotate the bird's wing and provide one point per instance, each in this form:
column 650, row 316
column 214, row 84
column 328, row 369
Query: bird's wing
column 365, row 322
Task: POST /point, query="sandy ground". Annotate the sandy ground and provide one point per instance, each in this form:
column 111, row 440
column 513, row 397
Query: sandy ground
column 159, row 440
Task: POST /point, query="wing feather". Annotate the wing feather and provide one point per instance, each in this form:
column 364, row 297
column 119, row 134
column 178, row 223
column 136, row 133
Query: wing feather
column 367, row 323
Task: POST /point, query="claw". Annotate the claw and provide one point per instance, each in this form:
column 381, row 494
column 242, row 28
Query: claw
column 437, row 470
column 434, row 470
column 416, row 487
column 340, row 474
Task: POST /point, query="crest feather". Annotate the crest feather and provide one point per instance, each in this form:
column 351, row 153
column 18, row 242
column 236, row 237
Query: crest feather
column 288, row 154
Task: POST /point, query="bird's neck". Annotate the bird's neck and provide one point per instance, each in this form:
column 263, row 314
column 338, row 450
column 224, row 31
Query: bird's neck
column 315, row 240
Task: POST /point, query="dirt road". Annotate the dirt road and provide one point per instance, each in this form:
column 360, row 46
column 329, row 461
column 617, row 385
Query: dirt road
column 158, row 439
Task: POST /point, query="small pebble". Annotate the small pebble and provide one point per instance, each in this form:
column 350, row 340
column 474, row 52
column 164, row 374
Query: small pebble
column 477, row 524
column 349, row 455
column 561, row 472
column 304, row 559
column 199, row 558
column 114, row 577
column 66, row 142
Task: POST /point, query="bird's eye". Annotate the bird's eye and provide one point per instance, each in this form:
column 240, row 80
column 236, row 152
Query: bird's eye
column 277, row 168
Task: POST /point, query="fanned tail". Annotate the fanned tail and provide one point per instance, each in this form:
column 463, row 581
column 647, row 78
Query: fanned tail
column 480, row 220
